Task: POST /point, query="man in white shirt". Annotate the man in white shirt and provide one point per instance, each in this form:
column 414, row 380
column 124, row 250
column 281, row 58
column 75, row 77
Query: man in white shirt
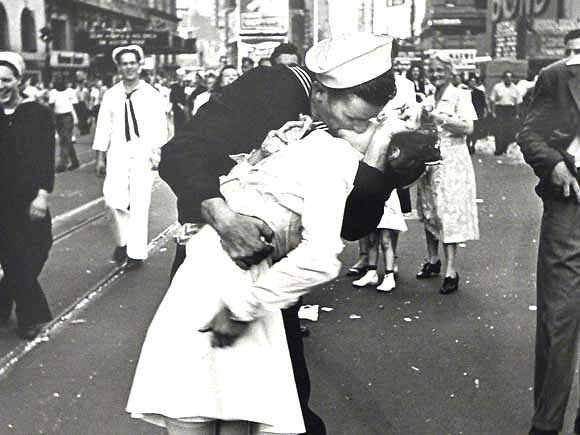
column 131, row 129
column 505, row 100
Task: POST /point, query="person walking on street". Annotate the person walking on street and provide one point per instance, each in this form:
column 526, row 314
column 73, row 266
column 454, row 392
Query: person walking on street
column 131, row 129
column 26, row 181
column 504, row 101
column 64, row 115
column 550, row 143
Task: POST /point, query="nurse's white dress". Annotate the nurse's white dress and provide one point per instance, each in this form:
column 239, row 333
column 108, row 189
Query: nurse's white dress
column 300, row 192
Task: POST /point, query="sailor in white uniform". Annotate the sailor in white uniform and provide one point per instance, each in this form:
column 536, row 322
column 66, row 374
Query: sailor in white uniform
column 131, row 129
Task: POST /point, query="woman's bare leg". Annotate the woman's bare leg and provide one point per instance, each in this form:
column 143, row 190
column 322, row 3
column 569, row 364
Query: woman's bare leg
column 432, row 247
column 450, row 250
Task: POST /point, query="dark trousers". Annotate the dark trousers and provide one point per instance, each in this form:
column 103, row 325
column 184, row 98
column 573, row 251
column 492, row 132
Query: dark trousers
column 313, row 423
column 558, row 315
column 24, row 248
column 405, row 200
column 505, row 127
column 64, row 128
column 83, row 116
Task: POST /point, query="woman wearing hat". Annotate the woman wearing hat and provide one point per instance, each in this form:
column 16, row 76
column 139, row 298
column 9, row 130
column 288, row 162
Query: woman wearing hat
column 26, row 180
column 446, row 194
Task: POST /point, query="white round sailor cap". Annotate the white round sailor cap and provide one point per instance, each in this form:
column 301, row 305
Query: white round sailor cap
column 350, row 59
column 128, row 49
column 14, row 61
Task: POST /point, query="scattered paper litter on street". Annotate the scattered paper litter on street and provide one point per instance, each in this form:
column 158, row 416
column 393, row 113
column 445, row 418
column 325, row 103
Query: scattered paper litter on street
column 327, row 309
column 308, row 312
column 533, row 308
column 354, row 316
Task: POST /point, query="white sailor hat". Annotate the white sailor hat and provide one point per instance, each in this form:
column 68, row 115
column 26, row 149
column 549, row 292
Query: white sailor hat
column 128, row 49
column 14, row 61
column 350, row 59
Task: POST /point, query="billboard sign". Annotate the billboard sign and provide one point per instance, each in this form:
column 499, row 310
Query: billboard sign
column 263, row 17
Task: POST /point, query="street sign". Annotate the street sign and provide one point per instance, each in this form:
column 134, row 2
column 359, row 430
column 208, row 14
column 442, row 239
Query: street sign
column 150, row 40
column 69, row 59
column 263, row 16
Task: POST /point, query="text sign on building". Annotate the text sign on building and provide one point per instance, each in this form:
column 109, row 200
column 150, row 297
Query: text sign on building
column 149, row 40
column 263, row 16
column 69, row 59
column 463, row 58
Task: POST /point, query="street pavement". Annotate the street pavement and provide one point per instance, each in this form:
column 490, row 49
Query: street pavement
column 409, row 362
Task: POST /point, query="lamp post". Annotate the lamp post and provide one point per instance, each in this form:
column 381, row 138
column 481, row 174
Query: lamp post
column 315, row 22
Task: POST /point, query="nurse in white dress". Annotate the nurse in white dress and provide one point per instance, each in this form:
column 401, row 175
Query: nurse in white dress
column 131, row 129
column 180, row 375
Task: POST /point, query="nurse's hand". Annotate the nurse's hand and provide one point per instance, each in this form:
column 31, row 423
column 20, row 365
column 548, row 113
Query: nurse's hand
column 244, row 238
column 224, row 330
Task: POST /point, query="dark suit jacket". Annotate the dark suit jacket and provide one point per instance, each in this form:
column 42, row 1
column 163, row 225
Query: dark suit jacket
column 237, row 121
column 552, row 122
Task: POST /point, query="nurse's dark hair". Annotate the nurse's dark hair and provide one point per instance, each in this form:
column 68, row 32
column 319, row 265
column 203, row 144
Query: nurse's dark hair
column 378, row 91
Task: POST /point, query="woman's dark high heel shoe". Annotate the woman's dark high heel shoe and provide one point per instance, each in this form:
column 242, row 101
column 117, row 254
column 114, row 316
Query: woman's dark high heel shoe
column 450, row 285
column 429, row 269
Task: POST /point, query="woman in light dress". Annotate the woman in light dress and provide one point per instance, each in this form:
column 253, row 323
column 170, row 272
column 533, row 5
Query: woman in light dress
column 446, row 194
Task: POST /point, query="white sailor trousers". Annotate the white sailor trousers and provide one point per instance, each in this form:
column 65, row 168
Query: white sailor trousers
column 127, row 192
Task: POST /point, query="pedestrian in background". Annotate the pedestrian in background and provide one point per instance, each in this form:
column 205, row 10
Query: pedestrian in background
column 550, row 143
column 26, row 181
column 479, row 101
column 228, row 75
column 131, row 129
column 446, row 194
column 286, row 54
column 505, row 100
column 247, row 64
column 62, row 106
column 417, row 76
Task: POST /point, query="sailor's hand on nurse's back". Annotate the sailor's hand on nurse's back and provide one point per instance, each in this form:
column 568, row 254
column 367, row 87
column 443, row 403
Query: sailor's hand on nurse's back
column 245, row 239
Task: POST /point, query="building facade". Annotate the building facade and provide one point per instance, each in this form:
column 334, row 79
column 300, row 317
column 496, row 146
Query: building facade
column 531, row 30
column 84, row 32
column 455, row 24
column 252, row 28
column 20, row 22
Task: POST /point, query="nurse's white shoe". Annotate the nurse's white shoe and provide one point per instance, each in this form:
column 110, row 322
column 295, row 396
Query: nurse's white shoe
column 369, row 278
column 388, row 284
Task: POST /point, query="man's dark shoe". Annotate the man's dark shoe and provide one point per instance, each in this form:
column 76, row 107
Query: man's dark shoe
column 73, row 166
column 29, row 332
column 577, row 424
column 133, row 264
column 120, row 254
column 450, row 285
column 429, row 270
column 304, row 331
column 534, row 431
column 59, row 169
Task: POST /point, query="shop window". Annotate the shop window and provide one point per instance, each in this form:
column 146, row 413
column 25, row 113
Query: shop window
column 28, row 31
column 4, row 40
